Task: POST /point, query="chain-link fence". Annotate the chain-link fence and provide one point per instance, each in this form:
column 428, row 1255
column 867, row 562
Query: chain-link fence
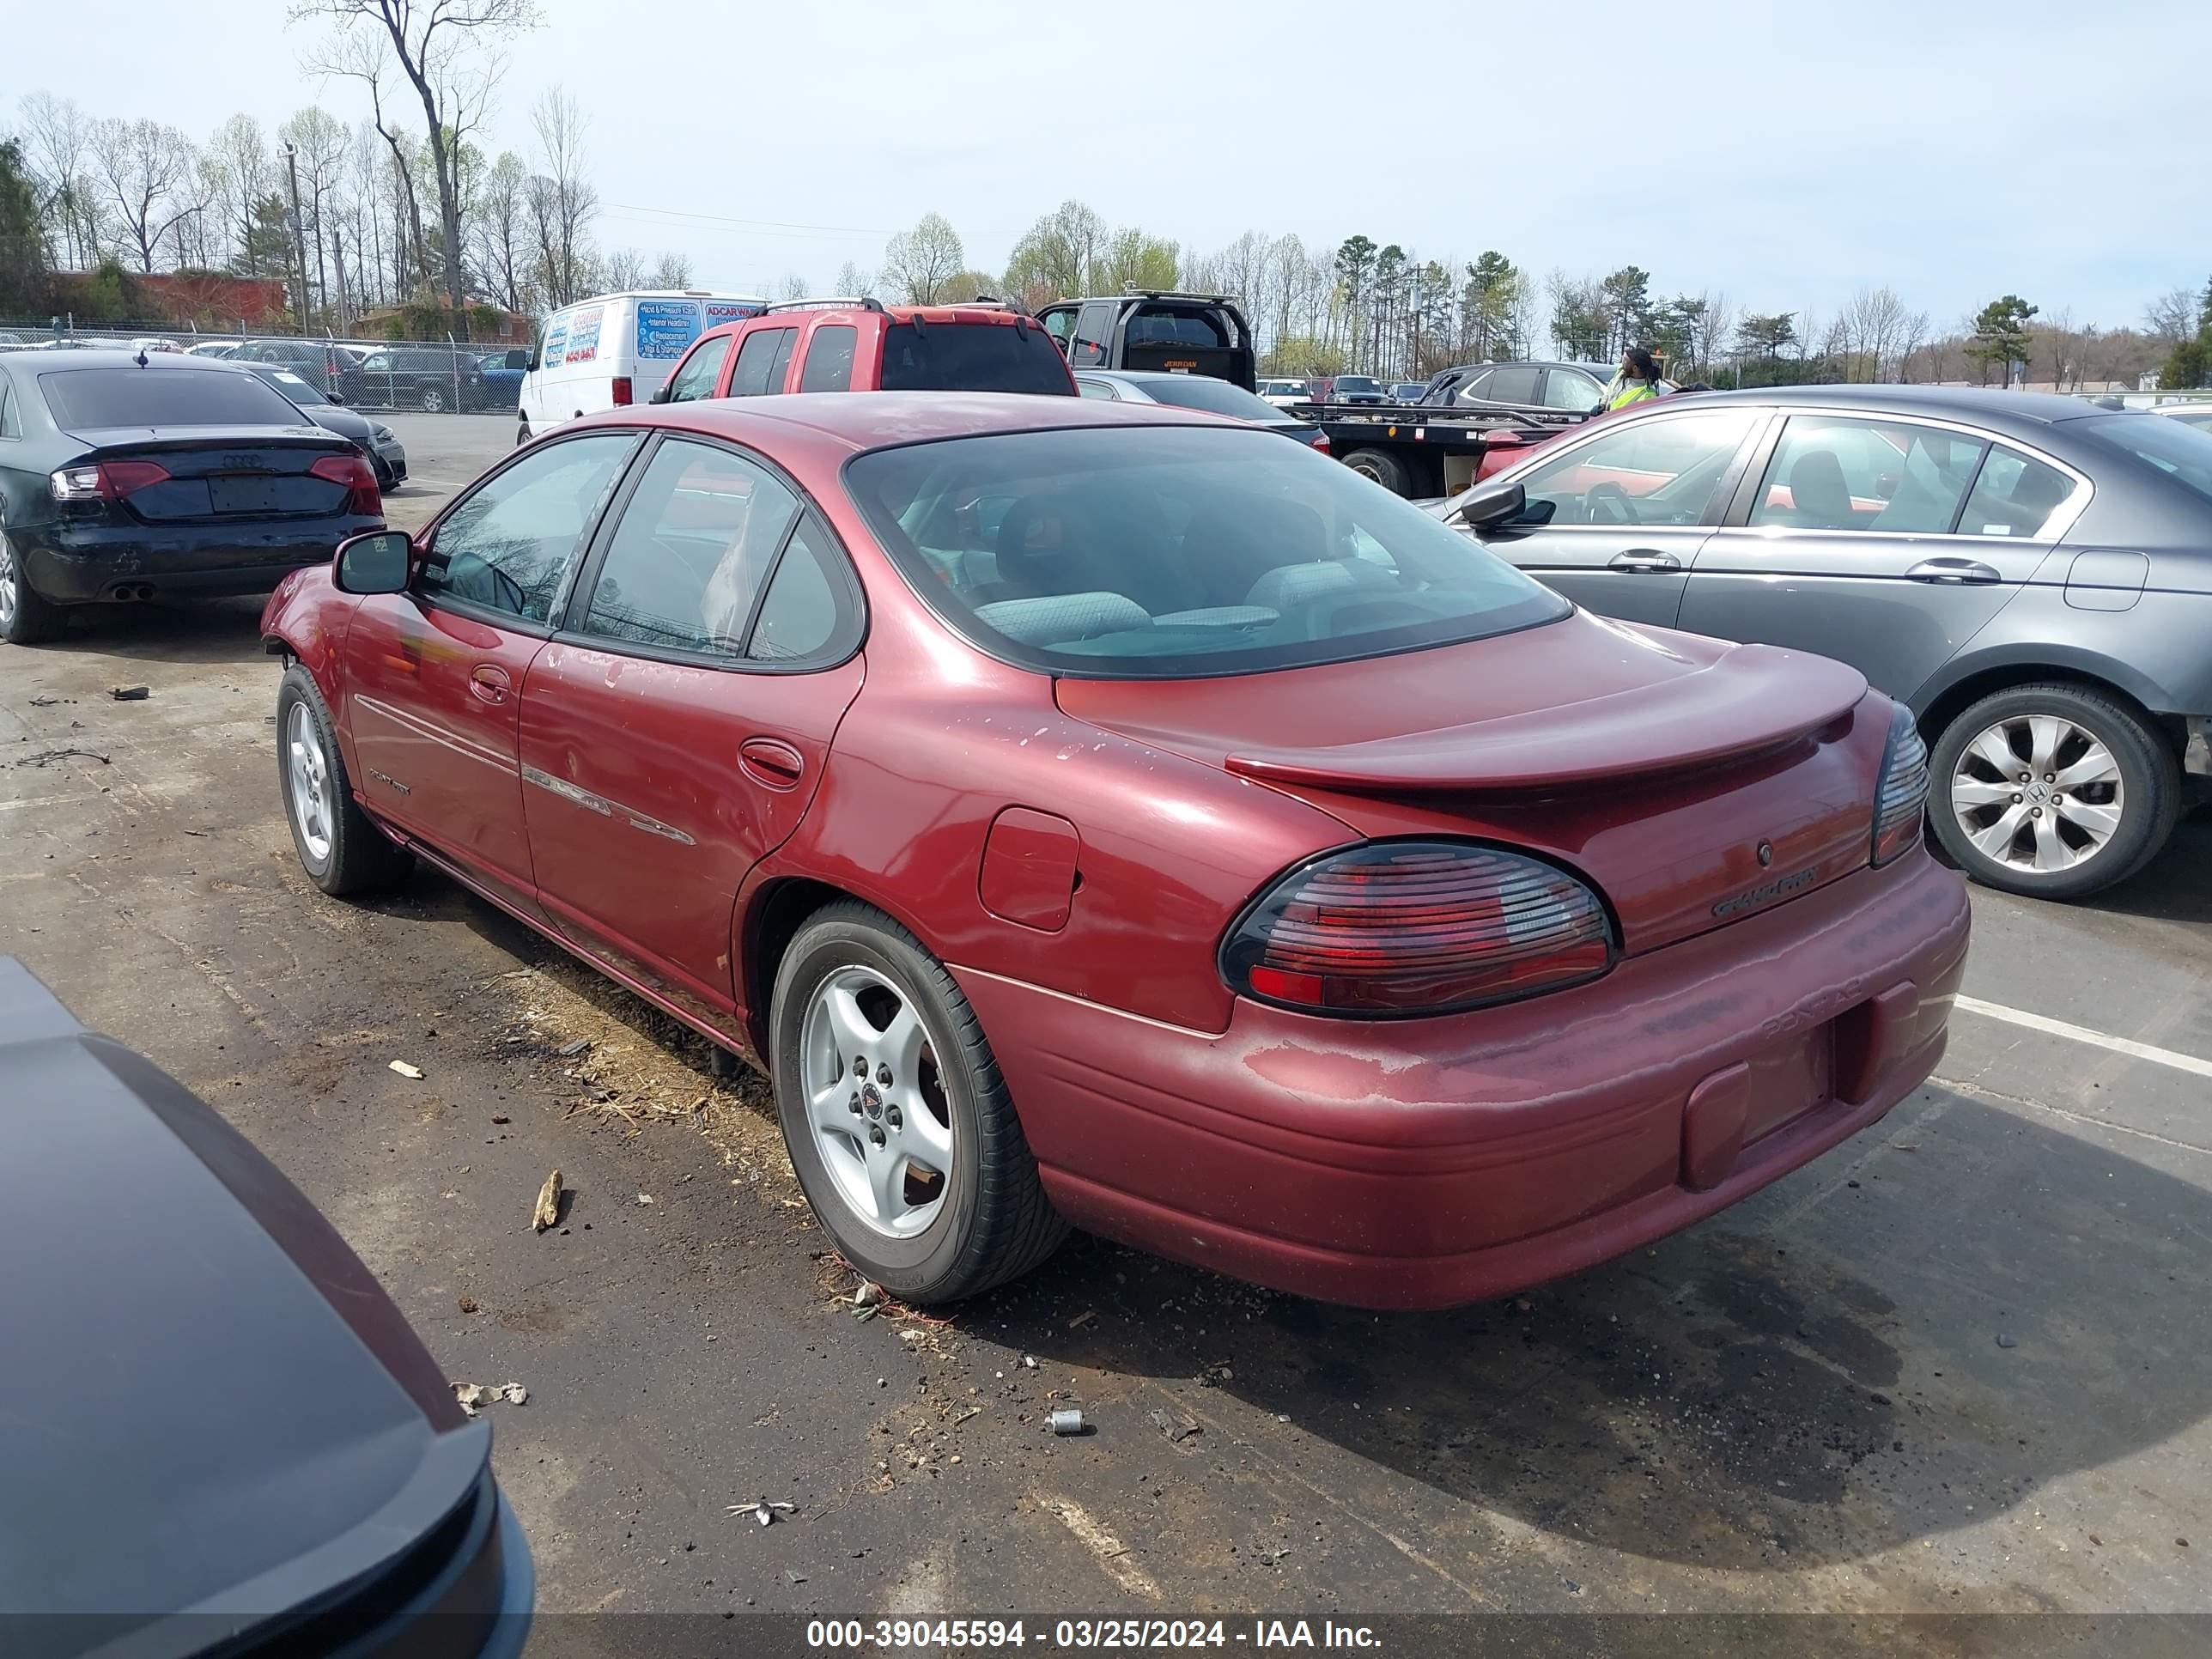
column 446, row 378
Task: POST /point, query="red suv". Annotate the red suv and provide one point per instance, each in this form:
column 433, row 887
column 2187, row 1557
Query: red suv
column 861, row 345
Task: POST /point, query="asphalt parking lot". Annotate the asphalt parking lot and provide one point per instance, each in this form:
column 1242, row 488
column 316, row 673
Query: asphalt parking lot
column 1956, row 1366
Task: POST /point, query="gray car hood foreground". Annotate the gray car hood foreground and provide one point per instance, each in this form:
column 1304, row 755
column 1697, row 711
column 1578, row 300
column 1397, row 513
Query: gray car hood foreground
column 213, row 1423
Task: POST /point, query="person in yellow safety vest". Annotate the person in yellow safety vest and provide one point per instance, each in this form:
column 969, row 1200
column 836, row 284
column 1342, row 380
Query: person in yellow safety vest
column 1637, row 382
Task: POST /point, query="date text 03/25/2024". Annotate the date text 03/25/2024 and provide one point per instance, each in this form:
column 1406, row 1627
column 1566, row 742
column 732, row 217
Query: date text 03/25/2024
column 833, row 1635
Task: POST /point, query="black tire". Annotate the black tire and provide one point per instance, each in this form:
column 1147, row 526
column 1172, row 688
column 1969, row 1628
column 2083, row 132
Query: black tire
column 993, row 1222
column 358, row 858
column 2148, row 794
column 25, row 618
column 1383, row 467
column 522, row 432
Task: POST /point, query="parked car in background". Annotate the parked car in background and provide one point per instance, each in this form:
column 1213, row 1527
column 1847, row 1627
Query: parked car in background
column 1568, row 386
column 386, row 454
column 616, row 350
column 1406, row 392
column 1184, row 333
column 352, row 1509
column 433, row 379
column 154, row 343
column 121, row 479
column 322, row 364
column 217, row 349
column 2032, row 575
column 2197, row 415
column 1113, row 816
column 861, row 345
column 1285, row 393
column 1357, row 389
column 1198, row 392
column 502, row 377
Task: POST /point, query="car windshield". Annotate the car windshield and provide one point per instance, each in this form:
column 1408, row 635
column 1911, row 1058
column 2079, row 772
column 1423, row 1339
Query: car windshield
column 1356, row 383
column 83, row 398
column 971, row 357
column 1214, row 396
column 2181, row 451
column 1172, row 552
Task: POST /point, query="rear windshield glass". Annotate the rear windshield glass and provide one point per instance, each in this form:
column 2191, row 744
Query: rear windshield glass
column 83, row 398
column 1356, row 383
column 972, row 358
column 2182, row 452
column 1208, row 330
column 1168, row 552
column 1214, row 396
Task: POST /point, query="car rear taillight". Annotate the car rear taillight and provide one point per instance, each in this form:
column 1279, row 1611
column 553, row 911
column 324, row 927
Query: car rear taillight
column 1319, row 440
column 364, row 500
column 108, row 481
column 622, row 392
column 1900, row 803
column 1401, row 927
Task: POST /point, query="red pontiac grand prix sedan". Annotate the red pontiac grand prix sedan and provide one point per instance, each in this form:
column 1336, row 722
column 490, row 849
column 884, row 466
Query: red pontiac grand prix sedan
column 1108, row 816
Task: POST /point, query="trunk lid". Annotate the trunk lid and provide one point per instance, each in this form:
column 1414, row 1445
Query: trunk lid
column 220, row 473
column 1658, row 764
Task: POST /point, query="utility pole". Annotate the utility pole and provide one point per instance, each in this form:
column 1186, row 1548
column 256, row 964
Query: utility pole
column 298, row 229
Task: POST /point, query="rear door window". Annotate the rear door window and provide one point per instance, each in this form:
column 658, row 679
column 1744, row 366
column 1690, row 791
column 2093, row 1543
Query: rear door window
column 695, row 378
column 971, row 357
column 1094, row 335
column 1832, row 472
column 695, row 544
column 83, row 400
column 808, row 605
column 764, row 351
column 1516, row 383
column 2014, row 495
column 828, row 366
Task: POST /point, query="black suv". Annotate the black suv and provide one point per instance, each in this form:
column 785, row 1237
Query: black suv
column 432, row 378
column 1181, row 333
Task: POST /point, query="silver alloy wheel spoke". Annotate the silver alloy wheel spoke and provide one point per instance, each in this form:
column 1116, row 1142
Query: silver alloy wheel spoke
column 308, row 774
column 890, row 1162
column 1997, row 794
column 6, row 584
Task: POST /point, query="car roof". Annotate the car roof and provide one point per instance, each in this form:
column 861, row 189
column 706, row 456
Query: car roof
column 875, row 420
column 1966, row 402
column 68, row 362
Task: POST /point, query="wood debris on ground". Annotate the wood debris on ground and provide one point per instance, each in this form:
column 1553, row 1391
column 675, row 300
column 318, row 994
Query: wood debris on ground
column 546, row 1211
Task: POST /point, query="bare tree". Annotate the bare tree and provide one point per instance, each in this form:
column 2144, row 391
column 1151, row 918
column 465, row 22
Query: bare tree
column 2172, row 318
column 145, row 169
column 562, row 201
column 364, row 56
column 321, row 145
column 794, row 287
column 240, row 149
column 853, row 283
column 672, row 271
column 501, row 232
column 621, row 270
column 442, row 49
column 920, row 262
column 59, row 153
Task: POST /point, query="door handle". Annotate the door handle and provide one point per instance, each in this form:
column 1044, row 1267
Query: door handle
column 771, row 764
column 489, row 682
column 1644, row 560
column 1954, row 572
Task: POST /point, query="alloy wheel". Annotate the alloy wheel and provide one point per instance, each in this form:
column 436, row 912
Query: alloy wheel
column 876, row 1102
column 309, row 772
column 2038, row 793
column 8, row 581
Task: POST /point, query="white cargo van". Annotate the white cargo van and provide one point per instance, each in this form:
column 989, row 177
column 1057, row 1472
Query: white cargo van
column 617, row 349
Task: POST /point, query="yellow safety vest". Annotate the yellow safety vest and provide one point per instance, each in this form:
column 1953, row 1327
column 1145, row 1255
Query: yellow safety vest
column 1624, row 392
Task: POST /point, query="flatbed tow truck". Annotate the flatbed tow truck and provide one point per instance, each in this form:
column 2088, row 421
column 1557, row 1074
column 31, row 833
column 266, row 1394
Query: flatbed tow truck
column 1421, row 450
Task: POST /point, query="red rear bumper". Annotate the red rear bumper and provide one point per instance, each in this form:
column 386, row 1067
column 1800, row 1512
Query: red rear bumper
column 1423, row 1163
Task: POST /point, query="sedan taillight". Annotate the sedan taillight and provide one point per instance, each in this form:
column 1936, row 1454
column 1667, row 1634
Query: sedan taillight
column 108, row 481
column 1901, row 802
column 364, row 500
column 1403, row 928
column 1319, row 440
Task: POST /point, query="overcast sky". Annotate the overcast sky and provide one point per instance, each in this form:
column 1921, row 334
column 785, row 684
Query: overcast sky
column 1782, row 153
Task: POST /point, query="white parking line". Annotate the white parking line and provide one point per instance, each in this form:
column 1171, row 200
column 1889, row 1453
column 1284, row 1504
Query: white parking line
column 2083, row 1034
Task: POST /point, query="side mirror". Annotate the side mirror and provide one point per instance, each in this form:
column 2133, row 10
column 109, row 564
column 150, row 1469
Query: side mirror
column 660, row 395
column 518, row 359
column 375, row 564
column 1488, row 505
column 334, row 397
